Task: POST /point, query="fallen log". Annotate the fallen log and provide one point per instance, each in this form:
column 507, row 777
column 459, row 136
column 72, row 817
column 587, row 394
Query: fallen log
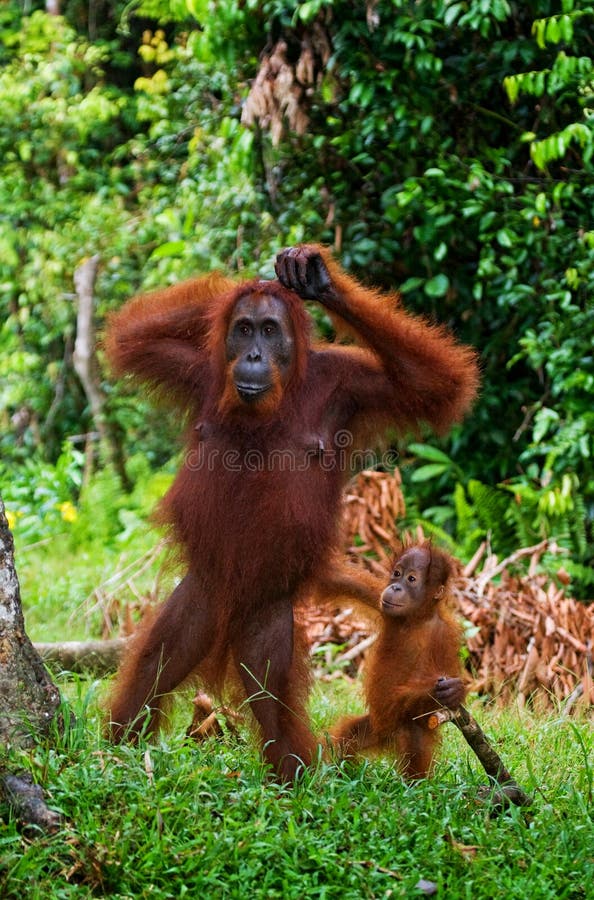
column 83, row 657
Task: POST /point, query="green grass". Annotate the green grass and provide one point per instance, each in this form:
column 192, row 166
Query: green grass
column 57, row 583
column 174, row 819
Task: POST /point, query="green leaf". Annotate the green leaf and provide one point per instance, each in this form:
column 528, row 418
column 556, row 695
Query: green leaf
column 553, row 32
column 437, row 286
column 512, row 87
column 441, row 251
column 452, row 12
column 426, row 451
column 426, row 473
column 505, row 237
column 566, row 28
column 171, row 248
column 411, row 284
column 538, row 30
column 540, row 204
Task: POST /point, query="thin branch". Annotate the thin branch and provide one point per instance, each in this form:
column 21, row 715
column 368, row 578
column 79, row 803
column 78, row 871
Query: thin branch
column 486, row 754
column 537, row 550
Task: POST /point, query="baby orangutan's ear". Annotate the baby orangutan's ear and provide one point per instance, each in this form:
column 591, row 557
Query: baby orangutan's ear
column 439, row 592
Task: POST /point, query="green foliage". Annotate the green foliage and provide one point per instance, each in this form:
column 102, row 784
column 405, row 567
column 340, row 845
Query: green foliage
column 512, row 514
column 455, row 147
column 39, row 498
column 153, row 172
column 44, row 500
column 568, row 77
column 60, row 200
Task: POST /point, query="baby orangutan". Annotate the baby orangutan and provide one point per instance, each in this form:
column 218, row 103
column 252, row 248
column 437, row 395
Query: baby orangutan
column 414, row 666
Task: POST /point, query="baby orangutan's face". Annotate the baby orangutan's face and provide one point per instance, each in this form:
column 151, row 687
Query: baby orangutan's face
column 410, row 591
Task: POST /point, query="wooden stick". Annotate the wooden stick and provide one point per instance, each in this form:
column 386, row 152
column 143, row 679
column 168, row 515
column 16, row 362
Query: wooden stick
column 489, row 759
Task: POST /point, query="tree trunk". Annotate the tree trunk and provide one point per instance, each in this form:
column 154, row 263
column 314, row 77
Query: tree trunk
column 28, row 697
column 86, row 366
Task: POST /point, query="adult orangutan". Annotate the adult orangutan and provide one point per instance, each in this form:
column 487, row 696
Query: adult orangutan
column 256, row 505
column 414, row 666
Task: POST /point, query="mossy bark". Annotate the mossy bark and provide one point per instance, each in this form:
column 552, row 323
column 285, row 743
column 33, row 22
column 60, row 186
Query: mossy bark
column 28, row 697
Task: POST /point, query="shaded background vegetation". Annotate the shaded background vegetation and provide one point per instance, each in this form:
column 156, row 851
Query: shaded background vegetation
column 442, row 147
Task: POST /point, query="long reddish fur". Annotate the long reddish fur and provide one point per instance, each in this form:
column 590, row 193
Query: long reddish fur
column 228, row 523
column 410, row 654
